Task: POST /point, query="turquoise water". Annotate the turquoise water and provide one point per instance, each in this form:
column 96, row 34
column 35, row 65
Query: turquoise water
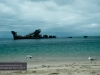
column 50, row 49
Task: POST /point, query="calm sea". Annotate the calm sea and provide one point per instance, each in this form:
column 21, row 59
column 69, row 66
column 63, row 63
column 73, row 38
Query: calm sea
column 59, row 49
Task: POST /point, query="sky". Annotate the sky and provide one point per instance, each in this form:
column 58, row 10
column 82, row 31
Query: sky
column 53, row 17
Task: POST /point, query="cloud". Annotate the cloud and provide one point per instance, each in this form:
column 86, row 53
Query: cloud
column 59, row 17
column 64, row 2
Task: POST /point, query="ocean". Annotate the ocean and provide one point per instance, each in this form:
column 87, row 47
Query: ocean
column 56, row 49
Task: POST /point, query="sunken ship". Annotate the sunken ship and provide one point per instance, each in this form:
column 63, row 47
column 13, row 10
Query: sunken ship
column 34, row 35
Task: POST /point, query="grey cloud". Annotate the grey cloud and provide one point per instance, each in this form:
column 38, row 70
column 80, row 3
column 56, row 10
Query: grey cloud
column 64, row 2
column 38, row 0
column 59, row 17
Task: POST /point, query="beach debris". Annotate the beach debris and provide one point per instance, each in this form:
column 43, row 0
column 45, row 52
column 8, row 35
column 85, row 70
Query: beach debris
column 91, row 59
column 43, row 66
column 54, row 73
column 28, row 56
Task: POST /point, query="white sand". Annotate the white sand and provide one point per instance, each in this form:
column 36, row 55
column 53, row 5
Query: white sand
column 59, row 68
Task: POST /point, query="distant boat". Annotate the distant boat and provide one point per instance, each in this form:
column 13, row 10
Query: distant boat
column 70, row 37
column 33, row 35
column 85, row 36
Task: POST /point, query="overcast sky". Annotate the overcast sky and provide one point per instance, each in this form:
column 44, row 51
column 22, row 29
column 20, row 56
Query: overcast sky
column 53, row 17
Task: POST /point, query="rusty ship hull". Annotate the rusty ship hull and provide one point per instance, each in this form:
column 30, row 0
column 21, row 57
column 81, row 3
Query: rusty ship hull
column 34, row 35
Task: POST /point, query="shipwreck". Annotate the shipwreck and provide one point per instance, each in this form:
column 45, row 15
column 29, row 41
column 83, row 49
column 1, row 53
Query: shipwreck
column 34, row 35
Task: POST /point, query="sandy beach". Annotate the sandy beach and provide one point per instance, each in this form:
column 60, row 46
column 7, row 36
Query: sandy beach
column 58, row 68
column 61, row 56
